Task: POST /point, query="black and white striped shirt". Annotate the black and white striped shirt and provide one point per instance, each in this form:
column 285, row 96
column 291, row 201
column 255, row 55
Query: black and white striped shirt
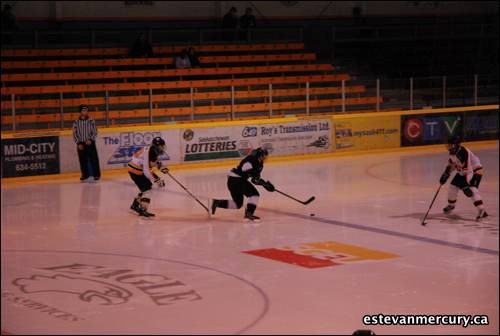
column 83, row 130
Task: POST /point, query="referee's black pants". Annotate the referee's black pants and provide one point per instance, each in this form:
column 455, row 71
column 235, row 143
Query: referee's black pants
column 89, row 152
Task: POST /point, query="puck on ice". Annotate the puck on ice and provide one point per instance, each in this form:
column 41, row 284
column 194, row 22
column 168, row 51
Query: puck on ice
column 312, row 214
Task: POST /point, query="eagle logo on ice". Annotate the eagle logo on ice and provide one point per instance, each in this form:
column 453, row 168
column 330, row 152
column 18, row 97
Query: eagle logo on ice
column 92, row 291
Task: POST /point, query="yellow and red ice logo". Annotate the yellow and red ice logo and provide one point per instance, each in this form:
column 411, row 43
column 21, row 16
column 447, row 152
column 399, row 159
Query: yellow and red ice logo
column 322, row 254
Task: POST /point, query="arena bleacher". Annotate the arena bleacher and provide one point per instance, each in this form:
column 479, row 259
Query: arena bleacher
column 136, row 90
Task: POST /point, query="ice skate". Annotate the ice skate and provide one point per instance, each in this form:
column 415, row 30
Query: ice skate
column 449, row 208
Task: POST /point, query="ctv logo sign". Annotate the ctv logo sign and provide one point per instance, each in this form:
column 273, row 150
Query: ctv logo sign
column 430, row 129
column 413, row 129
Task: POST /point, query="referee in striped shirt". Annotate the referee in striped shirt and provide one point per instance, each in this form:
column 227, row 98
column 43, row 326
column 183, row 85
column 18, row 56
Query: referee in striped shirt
column 84, row 135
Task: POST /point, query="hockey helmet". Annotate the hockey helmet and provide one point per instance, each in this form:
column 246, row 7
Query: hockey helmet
column 159, row 144
column 260, row 153
column 454, row 144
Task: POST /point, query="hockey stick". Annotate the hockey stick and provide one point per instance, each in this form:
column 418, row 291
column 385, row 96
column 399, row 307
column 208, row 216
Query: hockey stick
column 430, row 206
column 305, row 203
column 193, row 196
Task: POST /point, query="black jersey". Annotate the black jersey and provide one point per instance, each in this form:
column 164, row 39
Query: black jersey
column 248, row 167
column 153, row 154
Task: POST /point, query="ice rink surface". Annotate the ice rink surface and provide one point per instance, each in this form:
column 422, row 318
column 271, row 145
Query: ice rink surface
column 76, row 261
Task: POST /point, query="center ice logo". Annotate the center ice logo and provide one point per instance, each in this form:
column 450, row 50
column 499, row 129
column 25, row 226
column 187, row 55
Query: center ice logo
column 322, row 254
column 91, row 291
column 91, row 284
column 107, row 293
column 129, row 143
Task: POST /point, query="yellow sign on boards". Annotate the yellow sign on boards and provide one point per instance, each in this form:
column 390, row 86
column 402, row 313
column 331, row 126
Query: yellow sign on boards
column 367, row 133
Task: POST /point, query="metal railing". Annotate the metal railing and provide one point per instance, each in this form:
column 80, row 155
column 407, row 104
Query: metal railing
column 407, row 94
column 124, row 38
column 43, row 38
column 435, row 92
column 405, row 32
column 355, row 43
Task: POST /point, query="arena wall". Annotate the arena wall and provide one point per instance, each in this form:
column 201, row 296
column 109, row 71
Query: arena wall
column 35, row 154
column 203, row 10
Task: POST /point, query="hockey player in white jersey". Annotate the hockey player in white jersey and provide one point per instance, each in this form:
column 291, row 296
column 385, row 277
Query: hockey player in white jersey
column 139, row 169
column 467, row 178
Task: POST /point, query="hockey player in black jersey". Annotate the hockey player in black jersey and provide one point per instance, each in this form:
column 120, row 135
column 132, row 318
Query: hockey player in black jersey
column 239, row 186
column 468, row 176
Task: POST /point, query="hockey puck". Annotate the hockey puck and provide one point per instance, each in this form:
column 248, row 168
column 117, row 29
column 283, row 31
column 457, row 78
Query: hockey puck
column 312, row 214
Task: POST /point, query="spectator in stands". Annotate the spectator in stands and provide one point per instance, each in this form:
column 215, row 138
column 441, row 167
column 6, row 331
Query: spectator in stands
column 193, row 58
column 248, row 21
column 85, row 135
column 141, row 47
column 9, row 22
column 182, row 60
column 230, row 21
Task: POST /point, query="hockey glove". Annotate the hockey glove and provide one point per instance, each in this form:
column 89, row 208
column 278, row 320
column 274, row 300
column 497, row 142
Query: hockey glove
column 258, row 181
column 268, row 186
column 444, row 178
column 159, row 182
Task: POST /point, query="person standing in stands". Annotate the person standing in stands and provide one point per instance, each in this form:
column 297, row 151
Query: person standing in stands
column 85, row 135
column 193, row 58
column 247, row 22
column 141, row 47
column 9, row 23
column 230, row 21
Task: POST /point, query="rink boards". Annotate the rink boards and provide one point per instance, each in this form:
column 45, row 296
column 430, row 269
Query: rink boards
column 53, row 153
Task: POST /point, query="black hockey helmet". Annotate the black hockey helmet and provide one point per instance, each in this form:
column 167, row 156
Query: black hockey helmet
column 454, row 142
column 159, row 144
column 259, row 152
column 158, row 141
